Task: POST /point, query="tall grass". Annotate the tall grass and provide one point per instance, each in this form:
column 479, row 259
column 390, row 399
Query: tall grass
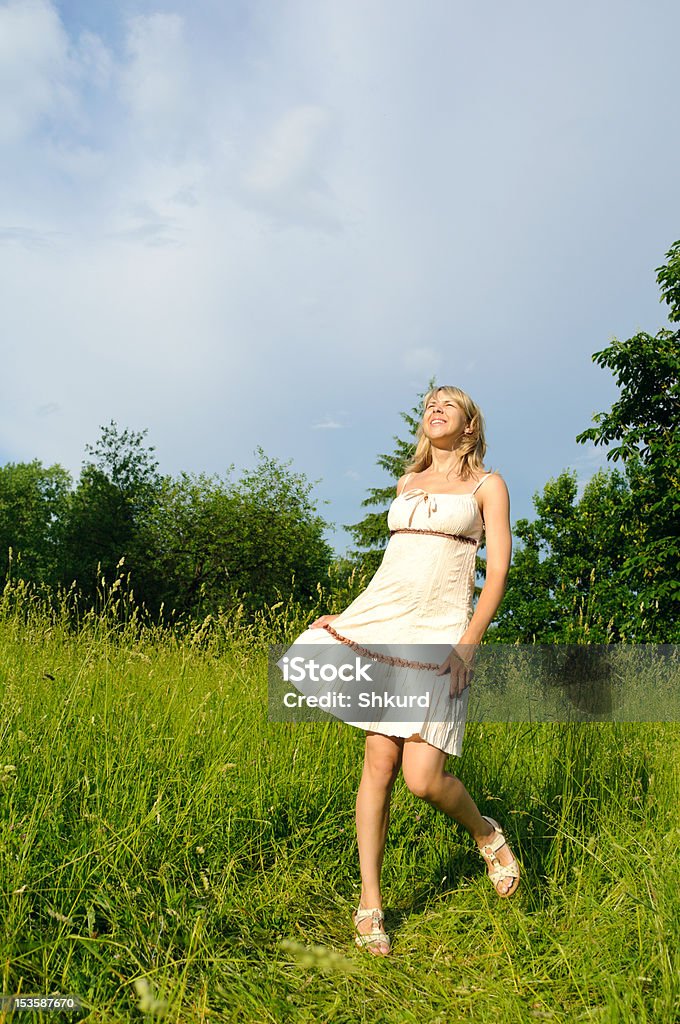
column 165, row 852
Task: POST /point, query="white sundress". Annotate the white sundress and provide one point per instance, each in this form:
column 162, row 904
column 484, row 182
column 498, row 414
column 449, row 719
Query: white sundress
column 422, row 594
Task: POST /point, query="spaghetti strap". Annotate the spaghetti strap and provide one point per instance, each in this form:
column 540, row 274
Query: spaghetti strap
column 405, row 482
column 482, row 481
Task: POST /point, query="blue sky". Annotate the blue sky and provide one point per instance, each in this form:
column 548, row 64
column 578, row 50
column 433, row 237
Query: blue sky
column 240, row 224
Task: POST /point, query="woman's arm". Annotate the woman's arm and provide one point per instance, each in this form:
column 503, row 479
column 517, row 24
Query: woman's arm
column 496, row 509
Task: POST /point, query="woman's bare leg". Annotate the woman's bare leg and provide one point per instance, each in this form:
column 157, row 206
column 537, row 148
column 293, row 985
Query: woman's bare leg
column 382, row 759
column 423, row 768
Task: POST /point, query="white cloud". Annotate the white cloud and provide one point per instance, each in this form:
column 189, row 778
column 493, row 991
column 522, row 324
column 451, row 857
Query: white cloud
column 289, row 156
column 35, row 70
column 286, row 177
column 327, row 424
column 146, row 224
column 27, row 237
column 48, row 409
column 76, row 161
column 155, row 82
column 96, row 61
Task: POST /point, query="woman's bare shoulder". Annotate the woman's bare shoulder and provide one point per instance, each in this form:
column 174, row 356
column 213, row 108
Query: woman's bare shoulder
column 402, row 481
column 493, row 494
column 492, row 478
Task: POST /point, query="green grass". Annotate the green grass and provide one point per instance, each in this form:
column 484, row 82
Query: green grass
column 167, row 852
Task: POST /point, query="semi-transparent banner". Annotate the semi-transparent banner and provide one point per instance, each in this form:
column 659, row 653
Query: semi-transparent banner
column 508, row 683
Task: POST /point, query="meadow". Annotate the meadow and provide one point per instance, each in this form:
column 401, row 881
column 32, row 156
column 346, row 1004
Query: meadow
column 167, row 853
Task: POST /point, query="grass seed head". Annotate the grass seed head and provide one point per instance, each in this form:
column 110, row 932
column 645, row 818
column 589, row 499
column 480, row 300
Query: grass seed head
column 147, row 1002
column 320, row 957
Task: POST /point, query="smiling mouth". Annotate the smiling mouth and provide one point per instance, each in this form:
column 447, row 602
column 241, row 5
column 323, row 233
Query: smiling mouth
column 438, row 420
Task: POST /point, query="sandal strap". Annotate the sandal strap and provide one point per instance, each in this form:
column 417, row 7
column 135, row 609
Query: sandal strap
column 377, row 933
column 370, row 937
column 499, row 840
column 495, row 844
column 504, row 871
column 364, row 913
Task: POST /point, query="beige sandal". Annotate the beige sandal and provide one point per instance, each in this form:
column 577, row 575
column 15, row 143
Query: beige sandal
column 499, row 871
column 377, row 933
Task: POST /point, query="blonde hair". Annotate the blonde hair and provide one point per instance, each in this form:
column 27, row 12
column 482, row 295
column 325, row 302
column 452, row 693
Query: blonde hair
column 472, row 446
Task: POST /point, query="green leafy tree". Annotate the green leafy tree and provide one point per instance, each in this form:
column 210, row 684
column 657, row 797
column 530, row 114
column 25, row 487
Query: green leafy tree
column 668, row 278
column 184, row 536
column 213, row 543
column 126, row 461
column 644, row 425
column 115, row 492
column 33, row 499
column 278, row 545
column 564, row 582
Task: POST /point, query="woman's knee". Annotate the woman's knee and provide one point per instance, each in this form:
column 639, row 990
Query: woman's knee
column 382, row 764
column 425, row 785
column 421, row 786
column 381, row 771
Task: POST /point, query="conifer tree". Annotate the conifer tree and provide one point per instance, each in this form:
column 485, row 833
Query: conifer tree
column 371, row 534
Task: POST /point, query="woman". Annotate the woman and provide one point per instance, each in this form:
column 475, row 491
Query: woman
column 423, row 591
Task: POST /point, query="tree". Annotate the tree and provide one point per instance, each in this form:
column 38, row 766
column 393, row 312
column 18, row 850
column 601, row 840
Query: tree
column 278, row 544
column 371, row 534
column 107, row 509
column 213, row 543
column 668, row 278
column 184, row 536
column 564, row 583
column 33, row 500
column 645, row 423
column 129, row 465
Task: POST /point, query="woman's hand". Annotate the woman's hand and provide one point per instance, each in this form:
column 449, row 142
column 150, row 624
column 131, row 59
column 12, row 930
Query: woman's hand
column 323, row 621
column 460, row 664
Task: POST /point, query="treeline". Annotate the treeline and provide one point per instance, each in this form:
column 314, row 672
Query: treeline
column 188, row 546
column 597, row 567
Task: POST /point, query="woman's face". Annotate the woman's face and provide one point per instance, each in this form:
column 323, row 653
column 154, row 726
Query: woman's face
column 443, row 421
